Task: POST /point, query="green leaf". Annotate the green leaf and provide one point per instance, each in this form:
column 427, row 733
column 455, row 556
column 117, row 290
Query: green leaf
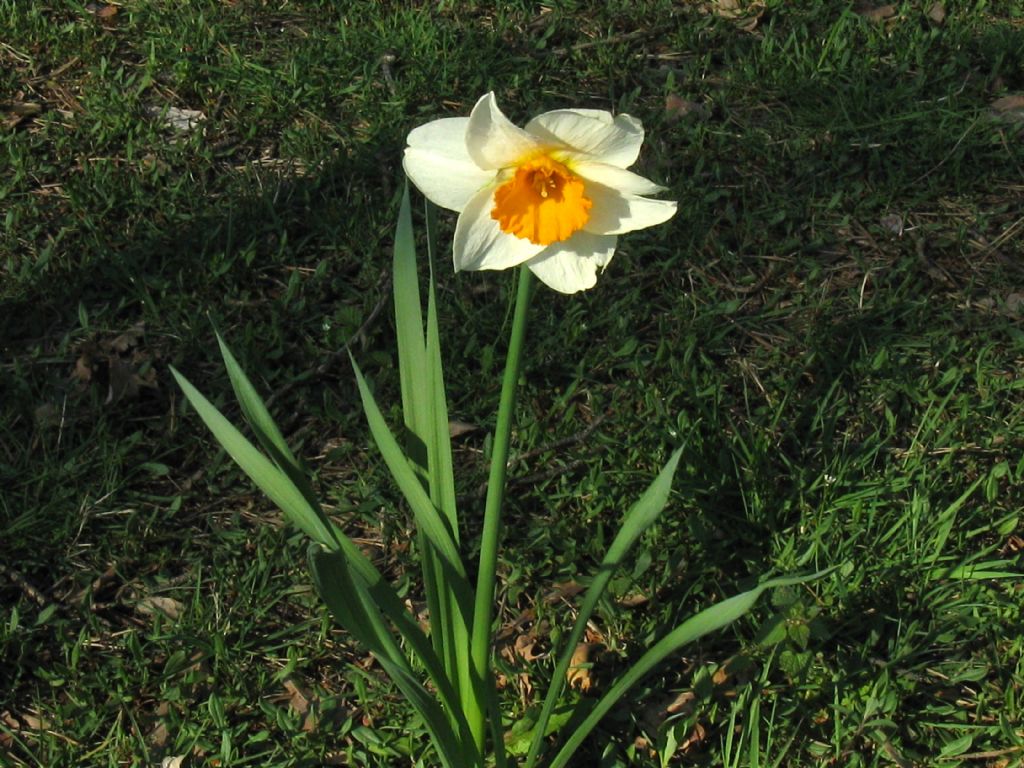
column 271, row 480
column 427, row 442
column 709, row 620
column 639, row 517
column 266, row 431
column 355, row 609
column 426, row 515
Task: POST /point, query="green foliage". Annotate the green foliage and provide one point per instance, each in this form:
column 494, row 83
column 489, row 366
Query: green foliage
column 830, row 325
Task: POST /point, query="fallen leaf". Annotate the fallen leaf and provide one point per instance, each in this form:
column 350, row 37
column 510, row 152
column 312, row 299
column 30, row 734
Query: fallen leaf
column 48, row 415
column 456, row 428
column 563, row 591
column 892, row 222
column 937, row 12
column 173, row 762
column 678, row 108
column 159, row 736
column 101, row 10
column 181, row 120
column 84, row 367
column 153, row 604
column 1009, row 108
column 298, row 698
column 747, row 13
column 524, row 648
column 125, row 341
column 633, row 600
column 578, row 674
column 876, row 12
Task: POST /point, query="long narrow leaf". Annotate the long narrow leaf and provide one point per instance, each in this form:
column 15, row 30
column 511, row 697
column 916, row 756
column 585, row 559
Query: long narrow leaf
column 426, row 515
column 639, row 517
column 266, row 431
column 442, row 473
column 253, row 407
column 457, row 616
column 354, row 609
column 412, row 362
column 382, row 595
column 416, row 379
column 709, row 620
column 271, row 480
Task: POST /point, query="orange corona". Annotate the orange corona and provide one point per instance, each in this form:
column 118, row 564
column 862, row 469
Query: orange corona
column 543, row 202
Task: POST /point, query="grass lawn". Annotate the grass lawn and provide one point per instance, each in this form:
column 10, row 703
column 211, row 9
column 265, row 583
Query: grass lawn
column 831, row 326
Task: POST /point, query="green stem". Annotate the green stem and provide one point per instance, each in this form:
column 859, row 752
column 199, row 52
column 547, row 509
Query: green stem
column 486, row 575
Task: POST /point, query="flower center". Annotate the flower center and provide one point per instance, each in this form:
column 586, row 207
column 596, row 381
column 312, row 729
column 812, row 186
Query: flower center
column 543, row 202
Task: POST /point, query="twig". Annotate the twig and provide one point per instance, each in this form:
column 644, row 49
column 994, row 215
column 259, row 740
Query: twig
column 579, row 437
column 23, row 584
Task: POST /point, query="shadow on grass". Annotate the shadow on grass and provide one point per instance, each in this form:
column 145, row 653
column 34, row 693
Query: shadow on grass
column 252, row 263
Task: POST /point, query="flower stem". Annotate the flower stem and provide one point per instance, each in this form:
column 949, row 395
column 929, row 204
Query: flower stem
column 486, row 575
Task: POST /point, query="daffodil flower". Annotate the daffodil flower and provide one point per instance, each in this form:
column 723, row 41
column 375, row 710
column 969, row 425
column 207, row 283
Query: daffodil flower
column 554, row 195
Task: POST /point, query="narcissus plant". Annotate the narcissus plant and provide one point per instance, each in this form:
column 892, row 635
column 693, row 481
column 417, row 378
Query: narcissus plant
column 553, row 196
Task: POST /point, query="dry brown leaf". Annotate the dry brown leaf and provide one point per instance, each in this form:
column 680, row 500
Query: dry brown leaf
column 159, row 736
column 728, row 9
column 563, row 591
column 678, row 108
column 524, row 647
column 937, row 12
column 127, row 340
column 101, row 10
column 48, row 415
column 633, row 600
column 456, row 428
column 1008, row 103
column 892, row 222
column 697, row 735
column 578, row 674
column 746, row 13
column 153, row 604
column 1009, row 108
column 84, row 368
column 32, row 722
column 876, row 12
column 173, row 762
column 298, row 696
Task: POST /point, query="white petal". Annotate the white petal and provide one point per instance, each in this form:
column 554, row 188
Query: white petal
column 612, row 176
column 572, row 266
column 493, row 141
column 444, row 181
column 446, row 137
column 480, row 243
column 615, row 141
column 614, row 213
